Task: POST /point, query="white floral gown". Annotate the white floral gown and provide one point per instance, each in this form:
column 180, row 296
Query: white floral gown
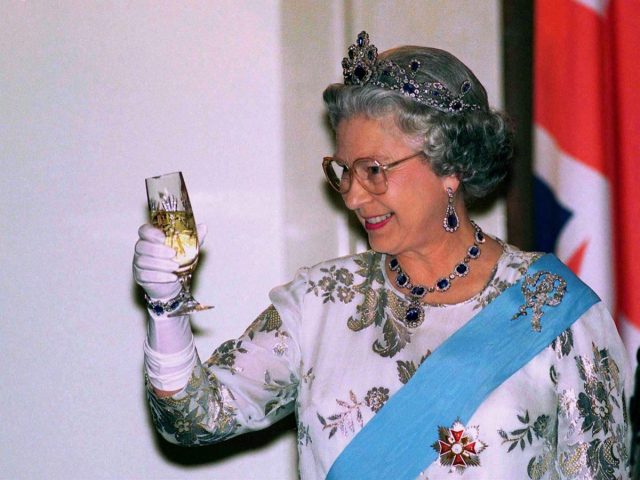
column 333, row 348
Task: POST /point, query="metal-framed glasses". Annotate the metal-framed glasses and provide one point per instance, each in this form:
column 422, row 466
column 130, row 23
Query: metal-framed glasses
column 370, row 173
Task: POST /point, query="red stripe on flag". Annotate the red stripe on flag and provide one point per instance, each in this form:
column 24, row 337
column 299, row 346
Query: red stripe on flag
column 623, row 21
column 569, row 82
column 574, row 262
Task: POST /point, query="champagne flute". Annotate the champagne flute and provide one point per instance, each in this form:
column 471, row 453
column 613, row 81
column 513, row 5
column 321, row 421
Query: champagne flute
column 171, row 212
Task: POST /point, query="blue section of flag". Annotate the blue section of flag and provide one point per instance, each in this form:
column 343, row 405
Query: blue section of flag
column 549, row 217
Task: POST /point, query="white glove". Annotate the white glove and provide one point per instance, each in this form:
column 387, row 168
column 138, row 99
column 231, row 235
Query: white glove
column 153, row 264
column 170, row 372
column 169, row 349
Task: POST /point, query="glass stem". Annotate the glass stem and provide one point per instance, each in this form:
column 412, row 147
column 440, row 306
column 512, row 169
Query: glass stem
column 185, row 280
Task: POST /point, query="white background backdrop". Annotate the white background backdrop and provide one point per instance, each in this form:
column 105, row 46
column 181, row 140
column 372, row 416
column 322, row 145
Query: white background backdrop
column 96, row 96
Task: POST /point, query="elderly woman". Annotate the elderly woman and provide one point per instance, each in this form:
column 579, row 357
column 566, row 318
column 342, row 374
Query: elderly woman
column 441, row 349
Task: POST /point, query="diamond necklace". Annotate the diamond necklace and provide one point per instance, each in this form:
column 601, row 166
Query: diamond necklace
column 414, row 314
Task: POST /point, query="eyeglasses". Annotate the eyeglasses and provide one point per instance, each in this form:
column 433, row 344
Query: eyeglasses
column 370, row 173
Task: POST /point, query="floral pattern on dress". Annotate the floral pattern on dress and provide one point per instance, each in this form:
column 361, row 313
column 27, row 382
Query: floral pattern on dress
column 595, row 422
column 201, row 414
column 225, row 355
column 283, row 392
column 523, row 436
column 542, row 430
column 336, row 281
column 346, row 420
column 498, row 284
column 376, row 398
column 307, row 377
column 380, row 307
column 303, row 437
column 406, row 369
column 601, row 376
column 350, row 415
column 563, row 344
column 268, row 321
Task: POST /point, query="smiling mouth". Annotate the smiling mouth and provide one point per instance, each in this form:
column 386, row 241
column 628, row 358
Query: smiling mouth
column 373, row 223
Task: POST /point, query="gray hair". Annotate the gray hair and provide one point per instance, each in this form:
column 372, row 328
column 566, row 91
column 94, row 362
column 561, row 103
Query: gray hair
column 475, row 145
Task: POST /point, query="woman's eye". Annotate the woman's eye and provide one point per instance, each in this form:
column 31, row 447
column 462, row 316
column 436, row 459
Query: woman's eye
column 375, row 169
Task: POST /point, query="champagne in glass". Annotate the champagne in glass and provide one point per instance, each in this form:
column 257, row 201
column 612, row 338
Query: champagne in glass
column 171, row 212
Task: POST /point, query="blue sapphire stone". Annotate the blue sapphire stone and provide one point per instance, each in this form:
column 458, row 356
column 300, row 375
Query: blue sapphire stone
column 408, row 88
column 461, row 269
column 158, row 309
column 393, row 264
column 456, row 105
column 442, row 284
column 480, row 237
column 175, row 305
column 415, row 65
column 360, row 72
column 452, row 221
column 402, row 279
column 412, row 315
column 474, row 251
column 418, row 291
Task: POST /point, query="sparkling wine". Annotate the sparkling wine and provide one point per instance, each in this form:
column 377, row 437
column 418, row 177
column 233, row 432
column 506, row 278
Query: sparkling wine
column 180, row 229
column 171, row 212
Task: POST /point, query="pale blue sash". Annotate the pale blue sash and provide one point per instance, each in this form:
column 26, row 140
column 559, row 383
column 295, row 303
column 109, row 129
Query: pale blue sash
column 456, row 378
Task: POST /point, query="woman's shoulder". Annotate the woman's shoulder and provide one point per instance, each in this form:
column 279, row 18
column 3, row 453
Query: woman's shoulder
column 544, row 263
column 363, row 264
column 513, row 263
column 594, row 328
column 336, row 274
column 346, row 275
column 513, row 254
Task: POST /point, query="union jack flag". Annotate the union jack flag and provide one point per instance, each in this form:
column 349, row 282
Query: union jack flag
column 587, row 147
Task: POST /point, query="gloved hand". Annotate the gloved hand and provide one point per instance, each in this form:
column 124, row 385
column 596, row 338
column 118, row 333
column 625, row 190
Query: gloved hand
column 169, row 349
column 153, row 265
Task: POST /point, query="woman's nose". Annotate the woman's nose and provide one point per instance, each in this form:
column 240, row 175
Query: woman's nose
column 356, row 196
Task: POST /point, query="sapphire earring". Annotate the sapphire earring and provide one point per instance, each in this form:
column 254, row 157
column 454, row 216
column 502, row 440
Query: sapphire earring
column 451, row 221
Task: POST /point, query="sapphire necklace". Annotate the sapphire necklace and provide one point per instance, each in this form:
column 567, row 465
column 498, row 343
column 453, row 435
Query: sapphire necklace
column 414, row 315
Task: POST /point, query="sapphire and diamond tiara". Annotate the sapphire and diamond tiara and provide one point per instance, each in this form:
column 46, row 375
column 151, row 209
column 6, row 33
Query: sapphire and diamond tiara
column 361, row 67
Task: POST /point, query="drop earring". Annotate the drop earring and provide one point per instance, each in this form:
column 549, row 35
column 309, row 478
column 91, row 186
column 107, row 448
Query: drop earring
column 451, row 221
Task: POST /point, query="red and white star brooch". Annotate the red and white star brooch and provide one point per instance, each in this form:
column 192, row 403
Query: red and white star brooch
column 459, row 446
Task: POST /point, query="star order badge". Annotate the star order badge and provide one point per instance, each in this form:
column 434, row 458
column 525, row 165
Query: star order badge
column 459, row 446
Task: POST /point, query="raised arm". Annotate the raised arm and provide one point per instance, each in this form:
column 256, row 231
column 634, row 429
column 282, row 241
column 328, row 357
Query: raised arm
column 247, row 384
column 169, row 349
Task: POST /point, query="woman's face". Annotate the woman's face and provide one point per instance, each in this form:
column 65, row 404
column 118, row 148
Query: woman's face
column 408, row 217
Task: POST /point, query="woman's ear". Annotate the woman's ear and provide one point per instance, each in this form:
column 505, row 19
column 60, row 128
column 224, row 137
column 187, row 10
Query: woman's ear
column 452, row 182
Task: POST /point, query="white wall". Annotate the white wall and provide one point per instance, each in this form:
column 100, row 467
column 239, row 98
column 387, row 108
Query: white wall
column 96, row 96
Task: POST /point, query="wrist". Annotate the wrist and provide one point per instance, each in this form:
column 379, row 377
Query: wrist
column 165, row 305
column 168, row 335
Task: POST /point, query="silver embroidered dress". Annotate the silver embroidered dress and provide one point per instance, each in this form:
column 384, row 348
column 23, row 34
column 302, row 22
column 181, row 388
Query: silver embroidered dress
column 333, row 348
